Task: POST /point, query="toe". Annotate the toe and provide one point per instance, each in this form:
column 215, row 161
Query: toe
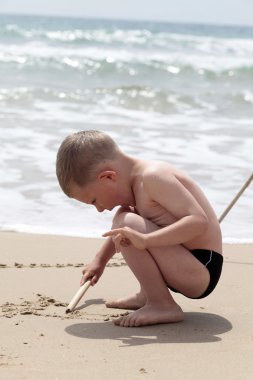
column 124, row 322
column 109, row 304
column 127, row 321
column 133, row 322
column 118, row 321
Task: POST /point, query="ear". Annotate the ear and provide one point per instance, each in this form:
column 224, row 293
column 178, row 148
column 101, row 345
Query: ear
column 107, row 175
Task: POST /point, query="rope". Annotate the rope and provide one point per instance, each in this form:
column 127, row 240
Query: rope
column 231, row 204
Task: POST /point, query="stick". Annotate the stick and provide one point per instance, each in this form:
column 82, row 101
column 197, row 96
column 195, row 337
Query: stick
column 231, row 204
column 79, row 294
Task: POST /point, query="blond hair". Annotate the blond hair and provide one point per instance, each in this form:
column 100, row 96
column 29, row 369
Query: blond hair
column 79, row 156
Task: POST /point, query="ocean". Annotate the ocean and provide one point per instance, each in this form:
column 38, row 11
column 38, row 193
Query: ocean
column 180, row 93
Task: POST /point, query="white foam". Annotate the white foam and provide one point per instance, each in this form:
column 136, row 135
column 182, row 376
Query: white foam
column 215, row 54
column 42, row 230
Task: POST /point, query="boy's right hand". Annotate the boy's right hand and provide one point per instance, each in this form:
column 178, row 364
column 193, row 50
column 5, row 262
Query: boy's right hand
column 92, row 272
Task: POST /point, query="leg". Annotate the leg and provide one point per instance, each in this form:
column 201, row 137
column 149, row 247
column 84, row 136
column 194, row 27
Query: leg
column 139, row 299
column 177, row 265
column 155, row 301
column 155, row 269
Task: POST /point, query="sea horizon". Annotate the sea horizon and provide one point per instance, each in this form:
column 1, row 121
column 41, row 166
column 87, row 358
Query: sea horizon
column 128, row 20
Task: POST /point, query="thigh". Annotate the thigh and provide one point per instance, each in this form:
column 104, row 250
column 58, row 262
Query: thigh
column 179, row 268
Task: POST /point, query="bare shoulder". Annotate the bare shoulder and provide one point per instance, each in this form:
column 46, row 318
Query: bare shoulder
column 160, row 177
column 158, row 170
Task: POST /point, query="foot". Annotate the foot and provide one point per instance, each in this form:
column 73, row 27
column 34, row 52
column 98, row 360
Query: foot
column 131, row 303
column 151, row 315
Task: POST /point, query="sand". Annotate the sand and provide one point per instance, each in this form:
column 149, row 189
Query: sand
column 39, row 275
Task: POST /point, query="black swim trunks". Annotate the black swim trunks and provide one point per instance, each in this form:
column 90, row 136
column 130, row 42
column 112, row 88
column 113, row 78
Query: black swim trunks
column 213, row 261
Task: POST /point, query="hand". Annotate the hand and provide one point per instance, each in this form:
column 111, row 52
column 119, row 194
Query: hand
column 92, row 272
column 126, row 236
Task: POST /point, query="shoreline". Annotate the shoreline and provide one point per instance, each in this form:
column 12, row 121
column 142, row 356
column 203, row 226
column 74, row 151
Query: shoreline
column 226, row 241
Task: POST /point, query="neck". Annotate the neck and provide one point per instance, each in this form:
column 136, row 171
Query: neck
column 125, row 167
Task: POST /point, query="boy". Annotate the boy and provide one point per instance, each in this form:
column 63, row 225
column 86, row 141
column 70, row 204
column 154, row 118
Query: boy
column 165, row 228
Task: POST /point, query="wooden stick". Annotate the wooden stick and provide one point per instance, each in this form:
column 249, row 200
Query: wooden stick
column 231, row 204
column 79, row 294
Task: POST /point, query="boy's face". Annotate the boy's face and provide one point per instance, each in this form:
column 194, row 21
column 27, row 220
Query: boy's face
column 103, row 193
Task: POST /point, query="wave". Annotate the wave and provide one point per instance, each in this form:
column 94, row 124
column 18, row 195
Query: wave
column 139, row 98
column 143, row 37
column 93, row 61
column 78, row 36
column 133, row 48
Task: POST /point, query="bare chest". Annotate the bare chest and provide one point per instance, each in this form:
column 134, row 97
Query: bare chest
column 151, row 210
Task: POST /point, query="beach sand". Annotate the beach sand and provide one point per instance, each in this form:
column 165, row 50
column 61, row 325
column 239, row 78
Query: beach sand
column 39, row 276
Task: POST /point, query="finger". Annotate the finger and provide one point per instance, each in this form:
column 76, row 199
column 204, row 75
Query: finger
column 83, row 280
column 117, row 239
column 121, row 241
column 108, row 233
column 86, row 276
column 94, row 280
column 125, row 242
column 112, row 232
column 117, row 246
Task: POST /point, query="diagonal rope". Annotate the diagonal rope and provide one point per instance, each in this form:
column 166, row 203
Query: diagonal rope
column 231, row 204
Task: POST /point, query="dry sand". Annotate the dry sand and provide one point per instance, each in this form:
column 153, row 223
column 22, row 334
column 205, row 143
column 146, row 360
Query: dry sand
column 39, row 276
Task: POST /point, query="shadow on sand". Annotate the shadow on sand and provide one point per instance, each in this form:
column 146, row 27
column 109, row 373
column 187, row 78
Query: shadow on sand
column 196, row 328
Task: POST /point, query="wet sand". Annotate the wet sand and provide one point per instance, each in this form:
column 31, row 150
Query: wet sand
column 41, row 273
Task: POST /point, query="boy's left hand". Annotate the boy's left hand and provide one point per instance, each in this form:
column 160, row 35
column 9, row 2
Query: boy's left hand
column 126, row 236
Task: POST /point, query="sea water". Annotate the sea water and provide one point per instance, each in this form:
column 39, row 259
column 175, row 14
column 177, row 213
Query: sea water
column 180, row 93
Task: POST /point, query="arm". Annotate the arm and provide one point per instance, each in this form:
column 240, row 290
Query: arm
column 165, row 189
column 95, row 268
column 179, row 232
column 106, row 252
column 170, row 193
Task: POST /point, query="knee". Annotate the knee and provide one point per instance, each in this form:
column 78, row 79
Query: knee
column 125, row 217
